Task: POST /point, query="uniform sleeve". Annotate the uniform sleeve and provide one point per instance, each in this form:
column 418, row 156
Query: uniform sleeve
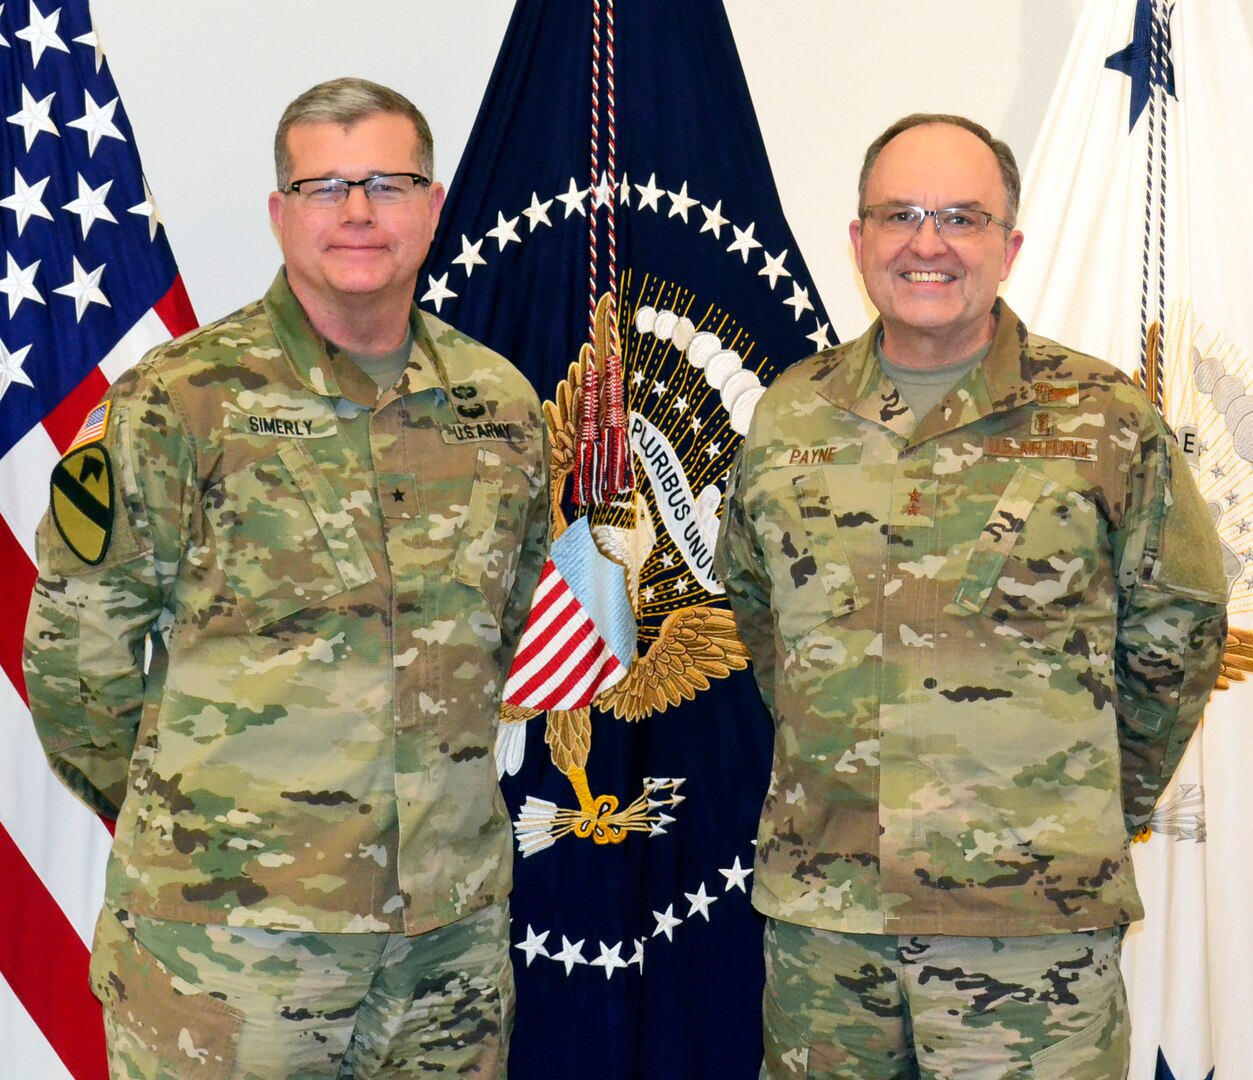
column 739, row 565
column 1171, row 620
column 532, row 557
column 96, row 604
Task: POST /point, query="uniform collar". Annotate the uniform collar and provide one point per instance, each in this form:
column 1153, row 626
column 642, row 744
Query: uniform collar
column 1002, row 382
column 326, row 370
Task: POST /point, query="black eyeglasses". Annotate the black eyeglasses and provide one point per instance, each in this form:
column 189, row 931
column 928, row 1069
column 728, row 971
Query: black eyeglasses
column 383, row 188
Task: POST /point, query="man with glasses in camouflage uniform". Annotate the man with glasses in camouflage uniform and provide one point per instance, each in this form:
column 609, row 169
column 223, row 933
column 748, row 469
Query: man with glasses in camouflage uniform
column 323, row 517
column 985, row 605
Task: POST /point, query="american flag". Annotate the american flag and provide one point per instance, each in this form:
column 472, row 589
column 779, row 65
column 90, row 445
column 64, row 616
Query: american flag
column 89, row 285
column 93, row 427
column 580, row 636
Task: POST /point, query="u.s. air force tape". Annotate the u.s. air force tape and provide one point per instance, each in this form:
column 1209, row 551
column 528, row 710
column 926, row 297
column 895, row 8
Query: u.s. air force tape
column 82, row 502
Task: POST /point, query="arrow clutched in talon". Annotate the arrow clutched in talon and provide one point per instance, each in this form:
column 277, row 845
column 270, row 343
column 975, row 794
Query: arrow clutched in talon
column 541, row 823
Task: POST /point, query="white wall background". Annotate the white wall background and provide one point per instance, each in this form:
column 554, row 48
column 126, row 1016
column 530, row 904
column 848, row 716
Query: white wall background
column 204, row 85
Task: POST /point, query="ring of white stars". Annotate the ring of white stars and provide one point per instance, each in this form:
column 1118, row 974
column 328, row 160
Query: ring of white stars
column 647, row 196
column 610, row 958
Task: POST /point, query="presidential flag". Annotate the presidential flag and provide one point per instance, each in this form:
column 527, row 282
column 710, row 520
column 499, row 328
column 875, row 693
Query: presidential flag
column 614, row 229
column 1137, row 250
column 87, row 285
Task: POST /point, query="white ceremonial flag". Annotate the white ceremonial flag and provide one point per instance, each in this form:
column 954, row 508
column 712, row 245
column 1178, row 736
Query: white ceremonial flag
column 1138, row 250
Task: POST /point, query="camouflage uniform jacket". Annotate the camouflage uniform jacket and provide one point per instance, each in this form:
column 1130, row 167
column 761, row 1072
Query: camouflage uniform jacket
column 332, row 581
column 985, row 637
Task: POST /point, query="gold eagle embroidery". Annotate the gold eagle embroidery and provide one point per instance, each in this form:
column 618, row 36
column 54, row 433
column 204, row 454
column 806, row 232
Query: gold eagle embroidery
column 693, row 646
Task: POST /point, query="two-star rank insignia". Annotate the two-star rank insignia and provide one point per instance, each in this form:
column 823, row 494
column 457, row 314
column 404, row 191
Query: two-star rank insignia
column 82, row 502
column 1063, row 392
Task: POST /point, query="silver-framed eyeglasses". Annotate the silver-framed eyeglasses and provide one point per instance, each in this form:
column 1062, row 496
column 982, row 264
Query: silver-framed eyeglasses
column 905, row 219
column 382, row 188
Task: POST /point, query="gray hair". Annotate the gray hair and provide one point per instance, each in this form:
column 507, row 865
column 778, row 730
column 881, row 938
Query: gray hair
column 1010, row 177
column 345, row 102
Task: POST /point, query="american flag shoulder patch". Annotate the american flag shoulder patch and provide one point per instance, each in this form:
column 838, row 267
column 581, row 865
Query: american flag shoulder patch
column 93, row 428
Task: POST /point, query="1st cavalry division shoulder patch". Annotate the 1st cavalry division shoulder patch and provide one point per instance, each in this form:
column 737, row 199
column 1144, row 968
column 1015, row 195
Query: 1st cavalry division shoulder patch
column 82, row 502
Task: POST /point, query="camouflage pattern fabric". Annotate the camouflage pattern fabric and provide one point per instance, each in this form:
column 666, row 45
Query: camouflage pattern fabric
column 985, row 635
column 210, row 1002
column 332, row 581
column 881, row 1007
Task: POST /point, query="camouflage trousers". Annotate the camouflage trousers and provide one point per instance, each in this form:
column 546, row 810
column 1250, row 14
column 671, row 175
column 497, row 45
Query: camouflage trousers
column 185, row 1000
column 874, row 1007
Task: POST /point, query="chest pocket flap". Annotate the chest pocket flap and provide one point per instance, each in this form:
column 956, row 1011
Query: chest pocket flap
column 284, row 540
column 1032, row 565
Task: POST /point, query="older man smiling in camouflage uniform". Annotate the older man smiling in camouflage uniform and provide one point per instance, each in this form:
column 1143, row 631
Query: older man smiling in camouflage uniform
column 985, row 605
column 324, row 517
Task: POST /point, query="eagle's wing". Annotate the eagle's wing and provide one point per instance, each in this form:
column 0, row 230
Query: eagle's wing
column 562, row 416
column 694, row 645
column 1237, row 657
